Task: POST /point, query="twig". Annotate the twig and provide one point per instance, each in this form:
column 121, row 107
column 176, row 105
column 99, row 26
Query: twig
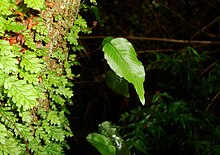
column 215, row 97
column 156, row 50
column 205, row 27
column 207, row 69
column 158, row 39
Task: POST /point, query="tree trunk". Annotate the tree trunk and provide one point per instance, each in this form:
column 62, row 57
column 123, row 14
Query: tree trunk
column 59, row 18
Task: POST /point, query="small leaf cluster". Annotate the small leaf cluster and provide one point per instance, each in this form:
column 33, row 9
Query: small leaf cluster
column 108, row 142
column 80, row 25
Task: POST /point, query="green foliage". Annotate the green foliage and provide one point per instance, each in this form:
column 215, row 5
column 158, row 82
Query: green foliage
column 122, row 58
column 101, row 143
column 117, row 84
column 80, row 25
column 108, row 142
column 93, row 1
column 175, row 121
column 186, row 72
column 96, row 12
column 4, row 5
column 35, row 4
column 8, row 61
column 22, row 94
column 31, row 63
column 168, row 127
column 35, row 84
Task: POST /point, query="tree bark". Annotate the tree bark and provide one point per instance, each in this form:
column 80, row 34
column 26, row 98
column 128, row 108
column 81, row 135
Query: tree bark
column 59, row 18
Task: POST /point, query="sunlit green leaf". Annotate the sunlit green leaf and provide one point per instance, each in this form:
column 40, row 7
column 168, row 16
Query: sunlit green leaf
column 29, row 77
column 5, row 47
column 5, row 6
column 14, row 26
column 8, row 60
column 22, row 94
column 53, row 117
column 8, row 64
column 35, row 4
column 122, row 58
column 31, row 63
column 94, row 2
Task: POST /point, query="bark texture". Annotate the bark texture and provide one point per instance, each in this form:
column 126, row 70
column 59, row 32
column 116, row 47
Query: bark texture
column 59, row 18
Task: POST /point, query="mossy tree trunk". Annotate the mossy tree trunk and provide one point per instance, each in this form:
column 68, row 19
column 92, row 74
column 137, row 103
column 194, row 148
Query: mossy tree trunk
column 35, row 75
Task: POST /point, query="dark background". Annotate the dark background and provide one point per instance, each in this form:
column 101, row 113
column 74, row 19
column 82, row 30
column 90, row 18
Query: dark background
column 164, row 19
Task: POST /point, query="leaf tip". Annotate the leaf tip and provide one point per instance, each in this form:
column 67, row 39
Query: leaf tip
column 143, row 101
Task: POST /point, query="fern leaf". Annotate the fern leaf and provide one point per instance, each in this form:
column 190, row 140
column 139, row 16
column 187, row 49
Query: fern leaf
column 29, row 77
column 35, row 4
column 4, row 7
column 30, row 62
column 8, row 61
column 8, row 64
column 23, row 95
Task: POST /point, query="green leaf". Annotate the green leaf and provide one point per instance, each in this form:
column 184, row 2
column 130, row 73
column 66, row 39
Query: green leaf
column 80, row 22
column 58, row 99
column 122, row 58
column 52, row 149
column 117, row 84
column 57, row 133
column 73, row 35
column 11, row 116
column 64, row 91
column 30, row 62
column 14, row 26
column 53, row 118
column 5, row 6
column 93, row 1
column 26, row 116
column 3, row 133
column 22, row 94
column 29, row 41
column 35, row 4
column 101, row 143
column 5, row 48
column 40, row 27
column 8, row 60
column 109, row 141
column 2, row 26
column 108, row 130
column 10, row 146
column 56, row 80
column 29, row 77
column 8, row 64
column 106, row 40
column 41, row 133
column 34, row 144
column 24, row 130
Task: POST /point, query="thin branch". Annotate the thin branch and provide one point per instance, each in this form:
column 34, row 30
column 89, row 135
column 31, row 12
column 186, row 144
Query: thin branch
column 156, row 50
column 207, row 69
column 205, row 27
column 215, row 97
column 158, row 39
